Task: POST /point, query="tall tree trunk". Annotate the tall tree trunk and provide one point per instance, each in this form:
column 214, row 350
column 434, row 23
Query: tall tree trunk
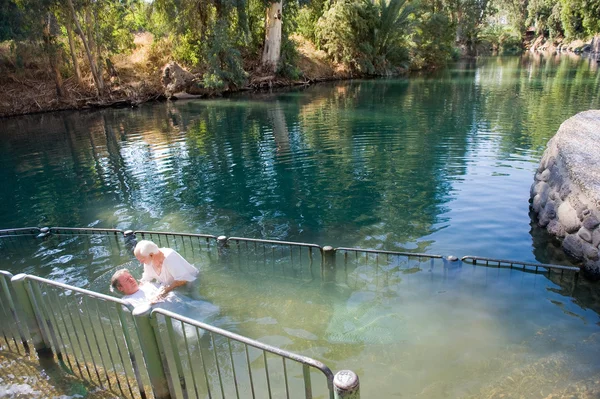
column 53, row 58
column 94, row 33
column 93, row 67
column 69, row 26
column 272, row 47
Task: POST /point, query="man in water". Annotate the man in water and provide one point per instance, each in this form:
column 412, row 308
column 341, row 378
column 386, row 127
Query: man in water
column 135, row 293
column 149, row 293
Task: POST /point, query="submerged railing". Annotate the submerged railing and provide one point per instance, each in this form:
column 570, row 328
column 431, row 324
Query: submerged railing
column 99, row 339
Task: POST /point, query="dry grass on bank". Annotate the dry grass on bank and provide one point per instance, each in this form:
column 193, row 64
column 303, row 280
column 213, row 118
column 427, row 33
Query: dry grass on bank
column 314, row 63
column 28, row 86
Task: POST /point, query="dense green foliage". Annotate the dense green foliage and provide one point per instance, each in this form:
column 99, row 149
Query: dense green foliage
column 222, row 40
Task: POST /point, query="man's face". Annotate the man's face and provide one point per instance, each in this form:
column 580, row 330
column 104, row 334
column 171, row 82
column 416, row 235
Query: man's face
column 127, row 284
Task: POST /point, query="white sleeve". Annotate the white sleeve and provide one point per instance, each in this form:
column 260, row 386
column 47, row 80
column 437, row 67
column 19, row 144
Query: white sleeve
column 180, row 269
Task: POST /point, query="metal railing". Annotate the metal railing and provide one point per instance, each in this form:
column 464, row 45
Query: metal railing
column 219, row 363
column 91, row 334
column 511, row 264
column 284, row 258
column 12, row 330
column 83, row 230
column 98, row 338
column 20, row 231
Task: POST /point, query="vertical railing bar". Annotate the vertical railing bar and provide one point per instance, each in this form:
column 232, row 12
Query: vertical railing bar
column 307, row 381
column 377, row 271
column 267, row 374
column 264, row 255
column 117, row 348
column 129, row 344
column 310, row 262
column 237, row 392
column 285, row 378
column 87, row 341
column 74, row 354
column 202, row 362
column 239, row 260
column 89, row 314
column 13, row 312
column 177, row 358
column 85, row 363
column 97, row 306
column 250, row 371
column 182, row 243
column 9, row 329
column 59, row 352
column 187, row 348
column 212, row 338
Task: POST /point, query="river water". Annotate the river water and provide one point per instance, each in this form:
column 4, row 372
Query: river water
column 434, row 164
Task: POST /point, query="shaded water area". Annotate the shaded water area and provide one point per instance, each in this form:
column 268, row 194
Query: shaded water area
column 438, row 164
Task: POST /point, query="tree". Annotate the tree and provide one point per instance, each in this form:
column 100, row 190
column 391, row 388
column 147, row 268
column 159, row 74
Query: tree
column 272, row 45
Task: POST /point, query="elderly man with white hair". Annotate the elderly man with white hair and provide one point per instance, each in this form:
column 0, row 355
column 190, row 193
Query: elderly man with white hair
column 165, row 266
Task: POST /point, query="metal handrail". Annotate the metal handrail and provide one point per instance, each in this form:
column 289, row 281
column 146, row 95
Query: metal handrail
column 148, row 232
column 305, row 361
column 275, row 242
column 20, row 231
column 510, row 263
column 83, row 230
column 395, row 253
column 80, row 290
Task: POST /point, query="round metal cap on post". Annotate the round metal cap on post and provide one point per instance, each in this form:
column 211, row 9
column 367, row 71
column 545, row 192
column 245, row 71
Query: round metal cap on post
column 328, row 268
column 44, row 232
column 346, row 385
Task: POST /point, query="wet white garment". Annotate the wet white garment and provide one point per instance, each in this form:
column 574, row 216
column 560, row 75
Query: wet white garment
column 194, row 309
column 142, row 296
column 174, row 268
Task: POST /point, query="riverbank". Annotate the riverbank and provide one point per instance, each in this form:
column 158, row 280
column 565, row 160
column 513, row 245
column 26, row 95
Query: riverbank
column 137, row 80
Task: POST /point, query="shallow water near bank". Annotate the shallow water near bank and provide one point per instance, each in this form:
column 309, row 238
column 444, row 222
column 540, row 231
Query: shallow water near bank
column 439, row 164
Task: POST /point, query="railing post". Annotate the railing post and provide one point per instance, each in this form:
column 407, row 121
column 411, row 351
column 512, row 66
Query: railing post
column 130, row 239
column 151, row 352
column 44, row 232
column 328, row 270
column 346, row 385
column 222, row 245
column 223, row 249
column 40, row 341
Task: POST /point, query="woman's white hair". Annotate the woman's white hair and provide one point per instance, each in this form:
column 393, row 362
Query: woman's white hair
column 145, row 248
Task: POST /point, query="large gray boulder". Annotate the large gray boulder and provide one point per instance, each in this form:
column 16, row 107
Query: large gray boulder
column 566, row 193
